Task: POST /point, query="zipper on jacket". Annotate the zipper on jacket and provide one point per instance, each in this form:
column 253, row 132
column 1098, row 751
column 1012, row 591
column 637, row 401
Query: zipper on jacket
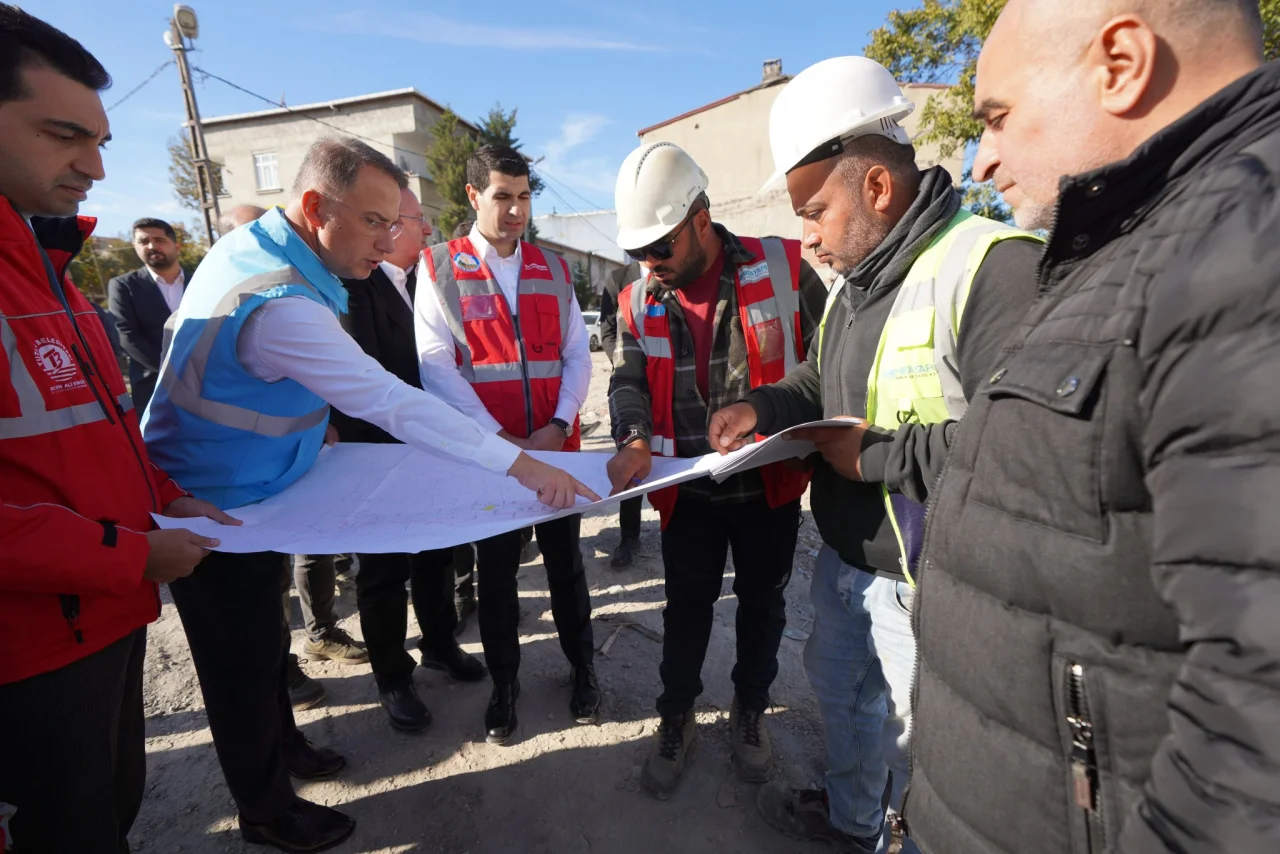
column 71, row 612
column 1084, row 758
column 524, row 368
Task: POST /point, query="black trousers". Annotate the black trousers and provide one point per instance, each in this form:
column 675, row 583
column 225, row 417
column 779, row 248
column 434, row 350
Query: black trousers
column 383, row 604
column 498, row 560
column 694, row 547
column 629, row 518
column 230, row 609
column 72, row 752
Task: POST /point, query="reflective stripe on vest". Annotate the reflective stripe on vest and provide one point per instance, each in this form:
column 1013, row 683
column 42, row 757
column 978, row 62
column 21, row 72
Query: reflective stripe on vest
column 186, row 391
column 915, row 378
column 766, row 312
column 36, row 418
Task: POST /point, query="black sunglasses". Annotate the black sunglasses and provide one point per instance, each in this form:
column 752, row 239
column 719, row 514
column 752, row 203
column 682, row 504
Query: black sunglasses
column 663, row 249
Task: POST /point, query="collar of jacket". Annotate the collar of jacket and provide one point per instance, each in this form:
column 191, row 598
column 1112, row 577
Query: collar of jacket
column 303, row 257
column 1094, row 206
column 934, row 206
column 61, row 236
column 735, row 255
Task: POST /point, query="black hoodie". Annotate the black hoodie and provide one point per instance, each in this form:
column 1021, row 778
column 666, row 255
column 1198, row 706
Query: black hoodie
column 851, row 515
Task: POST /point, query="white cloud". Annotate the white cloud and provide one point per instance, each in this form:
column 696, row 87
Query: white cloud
column 565, row 162
column 430, row 28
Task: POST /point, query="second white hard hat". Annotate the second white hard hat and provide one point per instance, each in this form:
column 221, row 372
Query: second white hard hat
column 828, row 104
column 657, row 184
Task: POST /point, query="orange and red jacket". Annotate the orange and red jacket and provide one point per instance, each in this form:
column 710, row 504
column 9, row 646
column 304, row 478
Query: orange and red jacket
column 76, row 486
column 514, row 370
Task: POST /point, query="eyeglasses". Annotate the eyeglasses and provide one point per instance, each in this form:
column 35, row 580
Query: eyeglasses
column 375, row 226
column 663, row 249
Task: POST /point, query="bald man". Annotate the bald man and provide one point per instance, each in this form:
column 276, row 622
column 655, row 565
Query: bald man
column 238, row 216
column 1098, row 616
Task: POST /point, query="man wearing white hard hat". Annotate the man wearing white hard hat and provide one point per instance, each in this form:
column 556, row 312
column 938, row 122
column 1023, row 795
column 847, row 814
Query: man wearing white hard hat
column 713, row 316
column 927, row 294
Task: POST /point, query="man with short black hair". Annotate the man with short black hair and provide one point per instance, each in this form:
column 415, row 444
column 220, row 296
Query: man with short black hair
column 242, row 410
column 79, row 559
column 142, row 301
column 500, row 336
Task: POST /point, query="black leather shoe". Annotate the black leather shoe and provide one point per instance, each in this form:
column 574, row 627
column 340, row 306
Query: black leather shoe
column 584, row 704
column 405, row 710
column 308, row 762
column 302, row 828
column 500, row 717
column 625, row 554
column 450, row 658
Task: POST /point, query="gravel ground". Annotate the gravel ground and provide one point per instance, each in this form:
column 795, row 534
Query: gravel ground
column 560, row 787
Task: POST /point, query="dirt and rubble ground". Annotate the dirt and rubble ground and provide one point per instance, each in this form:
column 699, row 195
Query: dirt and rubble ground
column 560, row 788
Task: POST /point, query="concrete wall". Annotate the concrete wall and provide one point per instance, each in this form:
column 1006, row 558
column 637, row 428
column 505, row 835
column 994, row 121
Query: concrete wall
column 399, row 128
column 731, row 144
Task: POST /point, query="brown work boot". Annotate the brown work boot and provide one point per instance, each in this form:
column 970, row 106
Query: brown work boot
column 336, row 645
column 752, row 751
column 672, row 749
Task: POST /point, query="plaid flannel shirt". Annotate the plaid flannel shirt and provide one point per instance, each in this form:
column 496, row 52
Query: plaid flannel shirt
column 727, row 378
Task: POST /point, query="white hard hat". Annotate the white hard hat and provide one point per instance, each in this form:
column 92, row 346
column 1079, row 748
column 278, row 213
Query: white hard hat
column 657, row 184
column 828, row 104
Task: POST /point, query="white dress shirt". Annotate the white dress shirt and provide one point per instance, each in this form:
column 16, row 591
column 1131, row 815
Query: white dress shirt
column 437, row 351
column 299, row 338
column 171, row 291
column 399, row 278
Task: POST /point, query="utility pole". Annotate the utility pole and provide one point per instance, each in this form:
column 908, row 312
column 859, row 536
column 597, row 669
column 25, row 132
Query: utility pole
column 182, row 26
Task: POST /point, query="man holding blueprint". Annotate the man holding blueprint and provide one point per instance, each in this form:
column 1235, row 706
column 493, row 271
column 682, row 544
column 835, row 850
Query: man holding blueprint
column 714, row 316
column 928, row 292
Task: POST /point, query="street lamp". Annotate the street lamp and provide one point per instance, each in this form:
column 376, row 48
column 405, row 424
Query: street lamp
column 184, row 25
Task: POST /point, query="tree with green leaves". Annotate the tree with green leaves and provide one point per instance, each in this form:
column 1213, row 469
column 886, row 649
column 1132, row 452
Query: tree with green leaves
column 582, row 286
column 452, row 143
column 939, row 42
column 498, row 128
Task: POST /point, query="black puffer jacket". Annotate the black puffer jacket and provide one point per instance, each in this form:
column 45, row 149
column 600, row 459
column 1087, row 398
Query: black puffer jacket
column 1103, row 556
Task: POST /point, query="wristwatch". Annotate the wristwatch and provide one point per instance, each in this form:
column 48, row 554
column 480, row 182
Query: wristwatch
column 630, row 436
column 563, row 425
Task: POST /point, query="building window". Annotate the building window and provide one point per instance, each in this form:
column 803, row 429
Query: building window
column 266, row 171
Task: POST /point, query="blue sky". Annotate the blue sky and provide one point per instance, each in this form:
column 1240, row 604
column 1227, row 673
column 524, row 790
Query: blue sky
column 584, row 75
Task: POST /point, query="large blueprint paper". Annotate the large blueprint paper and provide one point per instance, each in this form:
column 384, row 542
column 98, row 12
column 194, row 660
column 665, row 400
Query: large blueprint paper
column 394, row 498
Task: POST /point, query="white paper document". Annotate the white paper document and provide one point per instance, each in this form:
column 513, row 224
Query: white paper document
column 394, row 498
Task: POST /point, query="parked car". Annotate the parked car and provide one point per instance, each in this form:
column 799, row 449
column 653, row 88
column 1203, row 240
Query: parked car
column 592, row 319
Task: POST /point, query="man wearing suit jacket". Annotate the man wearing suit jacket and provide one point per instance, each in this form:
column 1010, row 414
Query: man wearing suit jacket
column 142, row 301
column 380, row 318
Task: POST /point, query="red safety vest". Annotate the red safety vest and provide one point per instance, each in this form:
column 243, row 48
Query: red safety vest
column 515, row 370
column 771, row 323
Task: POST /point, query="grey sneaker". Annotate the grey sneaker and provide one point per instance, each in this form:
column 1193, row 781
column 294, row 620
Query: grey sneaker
column 336, row 645
column 752, row 751
column 803, row 814
column 672, row 749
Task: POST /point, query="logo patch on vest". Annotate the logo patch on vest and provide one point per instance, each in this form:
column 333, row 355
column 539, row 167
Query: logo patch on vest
column 655, row 310
column 466, row 262
column 54, row 359
column 534, row 266
column 755, row 273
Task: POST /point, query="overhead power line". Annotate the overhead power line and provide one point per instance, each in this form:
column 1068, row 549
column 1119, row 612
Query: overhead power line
column 136, row 89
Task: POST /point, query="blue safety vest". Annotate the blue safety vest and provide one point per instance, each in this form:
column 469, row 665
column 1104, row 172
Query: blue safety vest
column 226, row 436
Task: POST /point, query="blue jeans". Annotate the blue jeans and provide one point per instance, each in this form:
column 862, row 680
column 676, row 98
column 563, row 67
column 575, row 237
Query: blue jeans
column 859, row 660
